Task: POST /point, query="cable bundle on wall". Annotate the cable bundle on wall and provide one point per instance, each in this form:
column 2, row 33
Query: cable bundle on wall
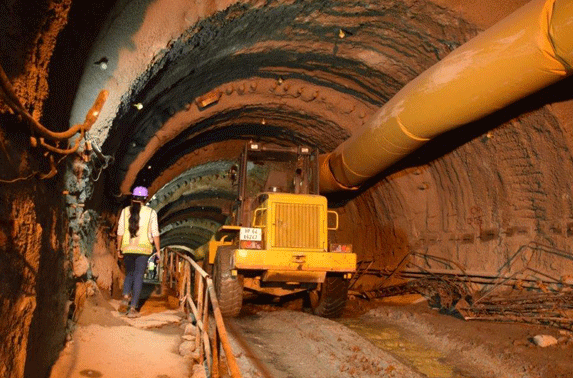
column 40, row 134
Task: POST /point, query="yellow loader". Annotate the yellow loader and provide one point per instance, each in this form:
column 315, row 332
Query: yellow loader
column 276, row 241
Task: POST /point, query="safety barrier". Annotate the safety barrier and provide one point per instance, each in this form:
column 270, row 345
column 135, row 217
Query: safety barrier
column 179, row 271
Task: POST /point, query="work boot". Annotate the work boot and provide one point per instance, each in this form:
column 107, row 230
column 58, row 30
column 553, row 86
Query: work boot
column 123, row 306
column 133, row 313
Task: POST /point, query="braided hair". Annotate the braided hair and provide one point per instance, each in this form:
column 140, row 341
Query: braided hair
column 134, row 218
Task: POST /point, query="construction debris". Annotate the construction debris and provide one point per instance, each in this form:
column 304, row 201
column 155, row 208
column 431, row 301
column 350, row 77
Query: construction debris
column 524, row 295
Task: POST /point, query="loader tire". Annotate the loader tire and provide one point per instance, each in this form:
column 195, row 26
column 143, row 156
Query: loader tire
column 229, row 289
column 329, row 299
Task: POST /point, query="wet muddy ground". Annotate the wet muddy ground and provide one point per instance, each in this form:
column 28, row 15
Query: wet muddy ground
column 401, row 337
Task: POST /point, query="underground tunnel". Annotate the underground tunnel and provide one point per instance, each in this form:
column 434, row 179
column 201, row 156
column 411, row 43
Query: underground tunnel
column 443, row 128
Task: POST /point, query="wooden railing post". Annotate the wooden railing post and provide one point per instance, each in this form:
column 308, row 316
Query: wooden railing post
column 180, row 272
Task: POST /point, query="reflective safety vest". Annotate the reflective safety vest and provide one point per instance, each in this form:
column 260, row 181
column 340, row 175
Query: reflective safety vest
column 139, row 244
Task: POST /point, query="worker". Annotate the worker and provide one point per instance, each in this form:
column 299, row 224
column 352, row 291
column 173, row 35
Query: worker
column 137, row 234
column 152, row 263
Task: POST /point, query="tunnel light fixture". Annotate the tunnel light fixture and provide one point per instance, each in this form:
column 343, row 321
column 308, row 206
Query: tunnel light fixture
column 208, row 99
column 102, row 63
column 138, row 106
column 342, row 33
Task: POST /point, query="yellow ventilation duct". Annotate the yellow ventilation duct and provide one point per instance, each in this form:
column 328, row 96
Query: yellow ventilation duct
column 527, row 51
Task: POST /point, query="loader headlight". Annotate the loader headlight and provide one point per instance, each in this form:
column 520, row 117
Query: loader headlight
column 251, row 244
column 343, row 248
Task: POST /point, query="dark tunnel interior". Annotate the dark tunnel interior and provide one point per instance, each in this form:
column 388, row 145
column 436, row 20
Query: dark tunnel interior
column 189, row 83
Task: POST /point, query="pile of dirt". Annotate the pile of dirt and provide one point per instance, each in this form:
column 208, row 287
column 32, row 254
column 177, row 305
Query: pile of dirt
column 404, row 329
column 297, row 344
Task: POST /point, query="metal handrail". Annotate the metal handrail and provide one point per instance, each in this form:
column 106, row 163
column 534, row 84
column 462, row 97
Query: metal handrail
column 258, row 210
column 196, row 300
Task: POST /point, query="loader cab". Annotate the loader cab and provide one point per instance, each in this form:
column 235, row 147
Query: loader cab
column 271, row 168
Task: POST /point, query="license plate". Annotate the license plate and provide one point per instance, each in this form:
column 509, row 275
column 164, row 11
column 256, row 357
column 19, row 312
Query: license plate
column 255, row 234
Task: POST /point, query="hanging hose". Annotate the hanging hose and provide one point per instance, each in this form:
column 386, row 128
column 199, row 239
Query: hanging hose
column 14, row 103
column 9, row 96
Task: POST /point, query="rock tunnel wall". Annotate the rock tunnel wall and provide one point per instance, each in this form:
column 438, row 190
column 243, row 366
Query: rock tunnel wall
column 39, row 294
column 35, row 286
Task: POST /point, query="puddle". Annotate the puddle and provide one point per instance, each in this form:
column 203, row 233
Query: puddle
column 423, row 359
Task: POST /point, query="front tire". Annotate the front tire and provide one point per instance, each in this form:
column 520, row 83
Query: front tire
column 329, row 298
column 229, row 289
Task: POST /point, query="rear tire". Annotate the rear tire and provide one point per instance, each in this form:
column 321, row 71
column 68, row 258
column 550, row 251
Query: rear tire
column 229, row 289
column 329, row 299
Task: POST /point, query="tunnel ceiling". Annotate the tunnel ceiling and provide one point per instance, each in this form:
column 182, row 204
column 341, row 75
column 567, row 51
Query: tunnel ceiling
column 189, row 84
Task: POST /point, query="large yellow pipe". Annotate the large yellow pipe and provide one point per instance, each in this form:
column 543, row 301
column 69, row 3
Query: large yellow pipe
column 527, row 51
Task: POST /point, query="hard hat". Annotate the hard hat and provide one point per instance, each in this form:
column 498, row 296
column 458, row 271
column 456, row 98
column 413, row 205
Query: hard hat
column 140, row 191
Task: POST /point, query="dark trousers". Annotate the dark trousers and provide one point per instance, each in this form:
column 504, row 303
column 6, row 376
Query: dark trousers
column 135, row 265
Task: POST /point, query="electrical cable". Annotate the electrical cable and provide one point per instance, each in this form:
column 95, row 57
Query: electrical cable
column 8, row 95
